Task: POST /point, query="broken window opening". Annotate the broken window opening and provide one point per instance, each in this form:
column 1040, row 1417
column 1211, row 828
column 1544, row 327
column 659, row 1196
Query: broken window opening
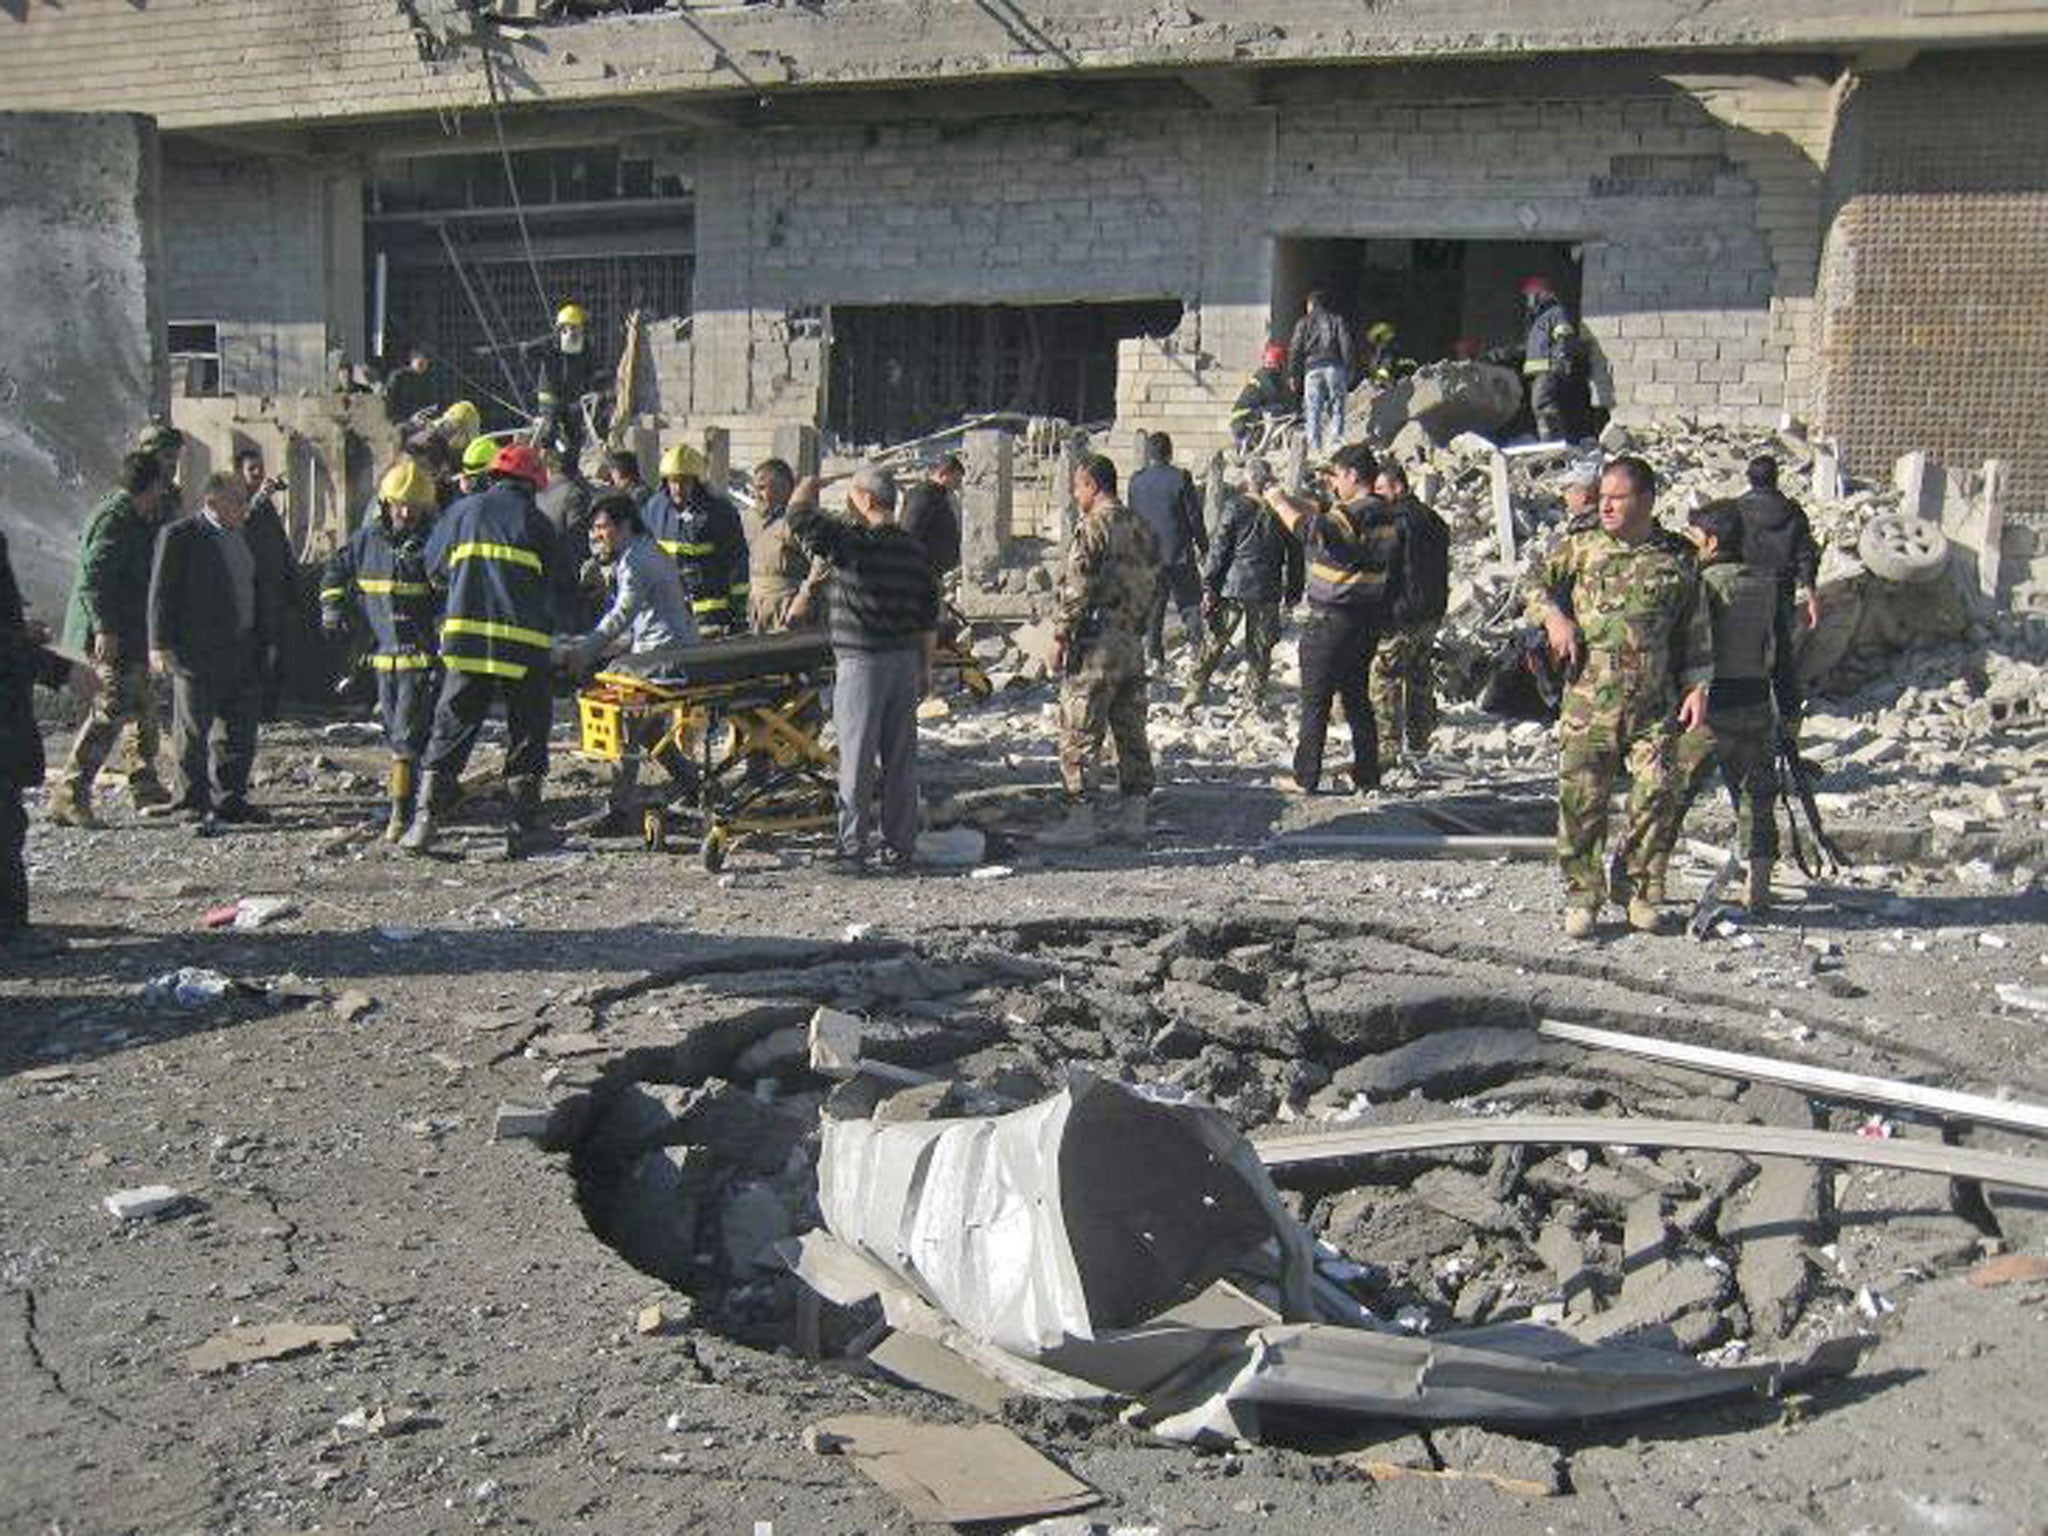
column 902, row 370
column 194, row 347
column 1436, row 292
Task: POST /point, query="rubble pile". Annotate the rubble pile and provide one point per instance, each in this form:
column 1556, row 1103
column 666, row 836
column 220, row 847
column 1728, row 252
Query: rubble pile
column 700, row 1160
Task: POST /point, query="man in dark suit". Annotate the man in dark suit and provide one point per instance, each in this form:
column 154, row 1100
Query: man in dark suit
column 214, row 611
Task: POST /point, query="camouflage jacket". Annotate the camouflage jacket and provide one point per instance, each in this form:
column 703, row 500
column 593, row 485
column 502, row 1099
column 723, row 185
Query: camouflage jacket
column 1638, row 609
column 1111, row 571
column 1741, row 606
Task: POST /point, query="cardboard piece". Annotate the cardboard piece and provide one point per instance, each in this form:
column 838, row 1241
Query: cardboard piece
column 265, row 1341
column 946, row 1474
column 931, row 1367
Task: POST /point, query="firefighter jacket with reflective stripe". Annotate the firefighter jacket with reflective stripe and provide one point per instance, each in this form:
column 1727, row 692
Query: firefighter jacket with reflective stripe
column 1354, row 555
column 1553, row 342
column 383, row 576
column 493, row 554
column 710, row 550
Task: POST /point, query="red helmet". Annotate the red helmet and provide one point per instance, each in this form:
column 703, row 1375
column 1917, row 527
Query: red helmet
column 1531, row 286
column 1276, row 354
column 524, row 461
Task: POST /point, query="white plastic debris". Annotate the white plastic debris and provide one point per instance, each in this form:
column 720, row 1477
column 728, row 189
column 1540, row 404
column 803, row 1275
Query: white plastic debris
column 260, row 911
column 189, row 987
column 142, row 1203
column 2015, row 995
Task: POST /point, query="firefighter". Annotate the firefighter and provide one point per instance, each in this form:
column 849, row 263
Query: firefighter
column 476, row 466
column 439, row 446
column 1384, row 363
column 1554, row 362
column 565, row 378
column 701, row 531
column 1264, row 397
column 380, row 576
column 493, row 556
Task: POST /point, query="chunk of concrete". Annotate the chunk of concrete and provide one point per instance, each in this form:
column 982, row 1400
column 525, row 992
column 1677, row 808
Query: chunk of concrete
column 752, row 1220
column 143, row 1203
column 1683, row 1286
column 1470, row 1449
column 1450, row 1062
column 1778, row 1223
column 1470, row 1200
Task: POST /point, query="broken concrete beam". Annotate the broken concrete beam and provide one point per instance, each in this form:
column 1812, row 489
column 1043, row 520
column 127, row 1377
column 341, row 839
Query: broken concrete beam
column 1779, row 1221
column 521, row 1122
column 1465, row 1198
column 986, row 499
column 1683, row 1287
column 1560, row 1248
column 836, row 1040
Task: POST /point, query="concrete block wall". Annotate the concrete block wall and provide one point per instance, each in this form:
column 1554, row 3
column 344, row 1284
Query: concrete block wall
column 247, row 244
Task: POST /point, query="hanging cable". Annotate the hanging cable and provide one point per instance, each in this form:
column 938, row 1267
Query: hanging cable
column 511, row 183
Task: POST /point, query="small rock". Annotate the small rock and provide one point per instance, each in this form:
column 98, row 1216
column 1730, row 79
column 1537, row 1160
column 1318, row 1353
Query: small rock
column 352, row 1005
column 143, row 1203
column 519, row 1122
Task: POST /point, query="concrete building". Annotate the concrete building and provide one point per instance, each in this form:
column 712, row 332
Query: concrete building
column 877, row 215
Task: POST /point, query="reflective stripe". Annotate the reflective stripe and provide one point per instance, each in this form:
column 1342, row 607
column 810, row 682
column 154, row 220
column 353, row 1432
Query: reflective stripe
column 510, row 553
column 383, row 588
column 411, row 662
column 1342, row 578
column 1535, row 365
column 709, row 605
column 333, row 594
column 740, row 589
column 491, row 629
column 514, row 669
column 689, row 551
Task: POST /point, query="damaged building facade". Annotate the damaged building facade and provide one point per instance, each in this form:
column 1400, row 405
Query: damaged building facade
column 877, row 217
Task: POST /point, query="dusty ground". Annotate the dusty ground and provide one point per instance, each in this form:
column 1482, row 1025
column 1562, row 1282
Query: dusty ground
column 342, row 1169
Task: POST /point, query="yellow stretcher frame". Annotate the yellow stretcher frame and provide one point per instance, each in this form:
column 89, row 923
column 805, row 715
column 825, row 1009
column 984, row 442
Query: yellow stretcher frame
column 725, row 730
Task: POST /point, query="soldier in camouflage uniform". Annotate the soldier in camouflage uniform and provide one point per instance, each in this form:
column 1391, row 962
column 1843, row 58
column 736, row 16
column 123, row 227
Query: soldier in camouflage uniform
column 1741, row 734
column 1620, row 606
column 1105, row 596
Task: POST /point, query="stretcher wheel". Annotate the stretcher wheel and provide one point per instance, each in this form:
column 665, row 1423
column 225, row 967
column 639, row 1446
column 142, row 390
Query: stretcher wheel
column 713, row 851
column 654, row 829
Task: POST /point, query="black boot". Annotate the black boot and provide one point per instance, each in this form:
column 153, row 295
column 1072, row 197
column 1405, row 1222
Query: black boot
column 522, row 828
column 431, row 802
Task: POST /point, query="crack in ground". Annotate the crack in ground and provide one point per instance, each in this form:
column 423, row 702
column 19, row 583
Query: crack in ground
column 288, row 1230
column 31, row 1338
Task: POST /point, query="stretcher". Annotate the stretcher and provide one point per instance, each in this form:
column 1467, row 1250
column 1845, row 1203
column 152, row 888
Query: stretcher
column 746, row 717
column 737, row 722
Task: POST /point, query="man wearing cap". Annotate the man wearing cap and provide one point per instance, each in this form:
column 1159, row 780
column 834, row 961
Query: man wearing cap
column 702, row 531
column 1265, row 396
column 166, row 444
column 380, row 577
column 214, row 610
column 884, row 624
column 493, row 555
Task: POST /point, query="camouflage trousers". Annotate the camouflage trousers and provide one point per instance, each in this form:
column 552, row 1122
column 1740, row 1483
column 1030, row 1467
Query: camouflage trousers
column 1403, row 689
column 126, row 698
column 1593, row 747
column 1105, row 693
column 1742, row 743
column 1261, row 625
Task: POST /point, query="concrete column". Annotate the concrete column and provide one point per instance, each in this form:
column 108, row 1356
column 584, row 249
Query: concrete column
column 718, row 458
column 985, row 499
column 796, row 444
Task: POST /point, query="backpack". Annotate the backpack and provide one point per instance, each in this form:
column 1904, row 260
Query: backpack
column 1426, row 557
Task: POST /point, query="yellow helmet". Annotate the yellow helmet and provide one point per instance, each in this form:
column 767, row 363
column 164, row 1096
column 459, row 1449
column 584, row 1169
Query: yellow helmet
column 571, row 314
column 1380, row 332
column 458, row 424
column 682, row 461
column 476, row 458
column 405, row 482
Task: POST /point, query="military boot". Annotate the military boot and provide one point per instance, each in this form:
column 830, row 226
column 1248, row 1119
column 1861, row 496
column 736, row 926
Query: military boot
column 1758, row 892
column 1579, row 922
column 430, row 803
column 402, row 785
column 71, row 806
column 146, row 791
column 1078, row 830
column 522, row 826
column 1128, row 823
column 1644, row 916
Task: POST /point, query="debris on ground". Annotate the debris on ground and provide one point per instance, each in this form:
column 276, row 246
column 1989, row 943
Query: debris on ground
column 257, row 1343
column 948, row 1474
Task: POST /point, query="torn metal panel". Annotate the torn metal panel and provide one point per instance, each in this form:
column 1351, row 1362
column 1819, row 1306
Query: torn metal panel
column 1094, row 1210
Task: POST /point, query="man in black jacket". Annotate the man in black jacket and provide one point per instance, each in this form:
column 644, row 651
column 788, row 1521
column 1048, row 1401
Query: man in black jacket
column 932, row 516
column 1319, row 353
column 272, row 546
column 1254, row 569
column 214, row 609
column 1404, row 664
column 1164, row 496
column 24, row 661
column 1777, row 542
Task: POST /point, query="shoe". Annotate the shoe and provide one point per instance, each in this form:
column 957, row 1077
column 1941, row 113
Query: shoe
column 1578, row 922
column 1757, row 888
column 896, row 861
column 27, row 943
column 1653, row 890
column 1365, row 784
column 1644, row 916
column 68, row 807
column 181, row 809
column 843, row 864
column 523, row 829
column 419, row 837
column 1077, row 830
column 1288, row 784
column 235, row 811
column 1127, row 824
column 146, row 791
